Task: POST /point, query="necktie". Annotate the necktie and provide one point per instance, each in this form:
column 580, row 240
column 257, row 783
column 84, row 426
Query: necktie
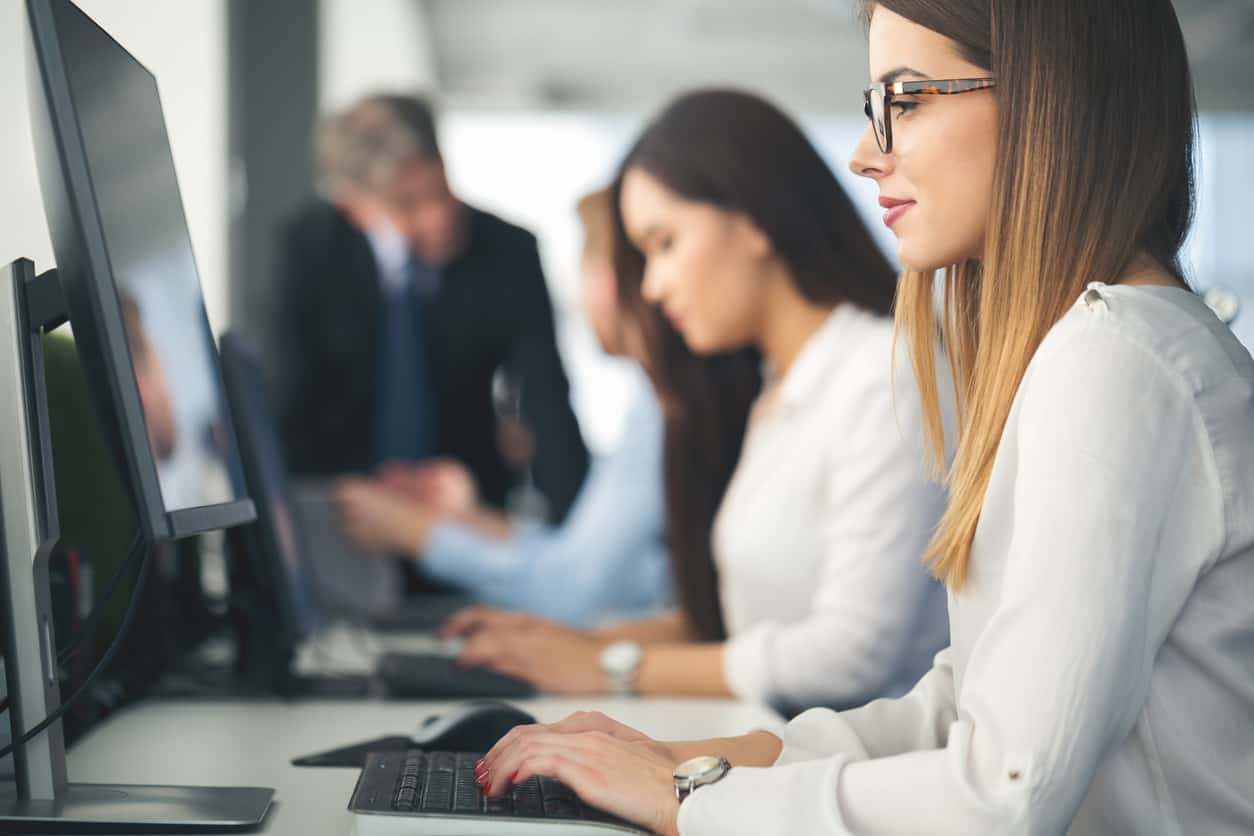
column 405, row 415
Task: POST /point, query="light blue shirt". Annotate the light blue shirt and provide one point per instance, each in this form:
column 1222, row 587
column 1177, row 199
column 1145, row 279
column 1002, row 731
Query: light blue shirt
column 607, row 560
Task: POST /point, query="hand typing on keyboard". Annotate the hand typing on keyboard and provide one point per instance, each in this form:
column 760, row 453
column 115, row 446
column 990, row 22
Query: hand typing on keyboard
column 441, row 782
column 417, row 792
column 607, row 765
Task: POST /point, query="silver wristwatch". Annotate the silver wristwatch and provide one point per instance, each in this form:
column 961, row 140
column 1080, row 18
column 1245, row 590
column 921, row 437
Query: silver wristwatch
column 619, row 663
column 698, row 772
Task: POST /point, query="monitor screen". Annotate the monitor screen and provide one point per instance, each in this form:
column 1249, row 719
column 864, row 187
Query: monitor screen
column 128, row 270
column 279, row 546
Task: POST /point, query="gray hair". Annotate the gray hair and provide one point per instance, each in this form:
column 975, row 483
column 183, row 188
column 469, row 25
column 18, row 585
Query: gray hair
column 363, row 147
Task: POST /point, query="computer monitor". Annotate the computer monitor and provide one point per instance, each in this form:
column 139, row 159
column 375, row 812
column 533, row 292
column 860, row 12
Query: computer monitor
column 276, row 552
column 126, row 267
column 127, row 280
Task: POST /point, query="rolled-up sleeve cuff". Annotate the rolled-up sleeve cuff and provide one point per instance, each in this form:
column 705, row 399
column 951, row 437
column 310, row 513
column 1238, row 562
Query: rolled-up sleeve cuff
column 745, row 665
column 819, row 733
column 798, row 798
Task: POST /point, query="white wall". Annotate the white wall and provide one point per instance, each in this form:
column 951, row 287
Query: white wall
column 184, row 44
column 1220, row 250
column 369, row 47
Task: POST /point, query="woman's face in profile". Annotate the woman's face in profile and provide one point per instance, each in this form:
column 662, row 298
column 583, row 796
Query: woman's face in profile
column 704, row 266
column 937, row 182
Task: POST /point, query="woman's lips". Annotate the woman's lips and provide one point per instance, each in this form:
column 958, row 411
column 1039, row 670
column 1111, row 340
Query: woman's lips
column 895, row 209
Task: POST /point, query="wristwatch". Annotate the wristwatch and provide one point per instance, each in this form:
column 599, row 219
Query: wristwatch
column 698, row 772
column 619, row 663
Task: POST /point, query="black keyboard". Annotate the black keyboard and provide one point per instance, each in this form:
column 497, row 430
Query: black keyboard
column 432, row 792
column 429, row 676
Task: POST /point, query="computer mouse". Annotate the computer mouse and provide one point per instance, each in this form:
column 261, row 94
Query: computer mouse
column 473, row 726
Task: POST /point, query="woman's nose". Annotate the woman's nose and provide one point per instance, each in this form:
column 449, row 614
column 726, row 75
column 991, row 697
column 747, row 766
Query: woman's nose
column 652, row 287
column 867, row 159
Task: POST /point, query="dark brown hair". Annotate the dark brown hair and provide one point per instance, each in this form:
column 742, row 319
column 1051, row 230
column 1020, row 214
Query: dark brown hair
column 1096, row 128
column 705, row 404
column 741, row 154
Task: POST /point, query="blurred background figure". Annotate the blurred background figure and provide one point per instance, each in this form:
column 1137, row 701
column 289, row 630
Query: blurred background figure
column 607, row 560
column 729, row 223
column 399, row 304
column 154, row 390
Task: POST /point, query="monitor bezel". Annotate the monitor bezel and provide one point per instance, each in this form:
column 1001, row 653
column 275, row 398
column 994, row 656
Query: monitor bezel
column 95, row 315
column 241, row 375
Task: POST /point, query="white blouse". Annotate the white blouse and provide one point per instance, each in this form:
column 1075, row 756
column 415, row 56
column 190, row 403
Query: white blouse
column 819, row 539
column 1101, row 674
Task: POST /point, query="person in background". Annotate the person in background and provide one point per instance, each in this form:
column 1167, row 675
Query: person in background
column 398, row 304
column 1099, row 545
column 608, row 559
column 730, row 222
column 150, row 378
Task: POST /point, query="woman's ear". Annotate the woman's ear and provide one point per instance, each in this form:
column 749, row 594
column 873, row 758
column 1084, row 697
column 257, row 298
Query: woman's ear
column 758, row 243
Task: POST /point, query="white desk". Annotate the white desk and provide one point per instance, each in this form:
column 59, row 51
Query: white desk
column 252, row 744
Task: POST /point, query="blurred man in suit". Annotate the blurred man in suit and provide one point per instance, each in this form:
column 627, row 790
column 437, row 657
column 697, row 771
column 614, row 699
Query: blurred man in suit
column 399, row 304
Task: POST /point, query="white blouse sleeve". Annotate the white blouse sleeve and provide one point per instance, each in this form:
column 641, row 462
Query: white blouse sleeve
column 1108, row 440
column 876, row 515
column 918, row 720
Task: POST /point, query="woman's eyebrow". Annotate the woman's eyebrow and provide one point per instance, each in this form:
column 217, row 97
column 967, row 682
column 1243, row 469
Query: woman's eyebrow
column 899, row 72
column 645, row 237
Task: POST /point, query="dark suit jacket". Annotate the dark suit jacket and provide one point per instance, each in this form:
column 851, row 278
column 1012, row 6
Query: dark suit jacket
column 492, row 309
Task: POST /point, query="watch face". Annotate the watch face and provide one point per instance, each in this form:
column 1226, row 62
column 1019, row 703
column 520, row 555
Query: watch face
column 697, row 767
column 621, row 657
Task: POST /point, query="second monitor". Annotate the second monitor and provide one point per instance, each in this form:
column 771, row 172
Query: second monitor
column 276, row 563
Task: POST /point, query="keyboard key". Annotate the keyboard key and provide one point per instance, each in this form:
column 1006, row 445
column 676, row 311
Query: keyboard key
column 552, row 788
column 557, row 808
column 438, row 796
column 466, row 795
column 503, row 806
column 527, row 800
column 468, row 800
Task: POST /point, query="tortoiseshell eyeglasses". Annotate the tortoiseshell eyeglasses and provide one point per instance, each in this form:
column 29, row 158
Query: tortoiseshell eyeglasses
column 879, row 100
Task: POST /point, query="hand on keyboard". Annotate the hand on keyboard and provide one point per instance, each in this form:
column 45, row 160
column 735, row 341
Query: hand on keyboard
column 436, row 792
column 608, row 765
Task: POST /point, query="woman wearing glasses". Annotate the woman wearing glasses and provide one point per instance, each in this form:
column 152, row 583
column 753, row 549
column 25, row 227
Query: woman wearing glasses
column 735, row 230
column 1099, row 544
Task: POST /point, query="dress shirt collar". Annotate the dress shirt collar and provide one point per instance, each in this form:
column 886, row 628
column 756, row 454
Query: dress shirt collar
column 391, row 253
column 822, row 354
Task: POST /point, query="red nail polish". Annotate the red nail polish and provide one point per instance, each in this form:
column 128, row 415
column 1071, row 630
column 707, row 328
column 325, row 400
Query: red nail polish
column 488, row 790
column 480, row 779
column 480, row 764
column 513, row 778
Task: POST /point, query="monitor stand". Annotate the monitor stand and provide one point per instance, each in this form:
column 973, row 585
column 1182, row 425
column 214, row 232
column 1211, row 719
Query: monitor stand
column 41, row 800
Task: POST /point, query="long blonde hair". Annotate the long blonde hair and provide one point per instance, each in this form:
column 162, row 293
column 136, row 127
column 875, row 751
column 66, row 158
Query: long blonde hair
column 1095, row 166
